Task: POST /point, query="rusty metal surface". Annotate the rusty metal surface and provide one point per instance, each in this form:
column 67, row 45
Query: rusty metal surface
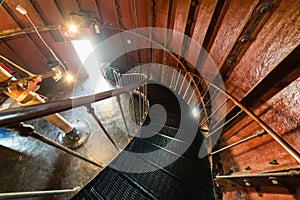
column 274, row 82
column 275, row 99
column 275, row 41
column 234, row 19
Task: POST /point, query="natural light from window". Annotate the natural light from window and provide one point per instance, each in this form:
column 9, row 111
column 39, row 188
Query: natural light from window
column 83, row 49
column 90, row 63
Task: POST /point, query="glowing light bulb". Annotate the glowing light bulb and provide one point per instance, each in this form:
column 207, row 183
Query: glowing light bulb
column 21, row 10
column 73, row 28
column 69, row 77
column 195, row 112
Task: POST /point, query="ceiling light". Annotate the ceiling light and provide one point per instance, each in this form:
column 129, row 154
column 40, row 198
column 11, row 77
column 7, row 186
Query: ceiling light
column 69, row 77
column 195, row 112
column 21, row 9
column 73, row 28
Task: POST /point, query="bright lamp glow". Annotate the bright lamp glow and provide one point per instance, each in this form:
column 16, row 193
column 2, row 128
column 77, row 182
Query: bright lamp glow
column 73, row 28
column 83, row 49
column 195, row 112
column 69, row 77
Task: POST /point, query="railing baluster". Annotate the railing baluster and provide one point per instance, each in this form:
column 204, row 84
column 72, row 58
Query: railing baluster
column 123, row 116
column 133, row 106
column 28, row 130
column 183, row 83
column 205, row 105
column 173, row 76
column 224, row 124
column 91, row 111
column 214, row 112
column 240, row 142
column 140, row 106
column 191, row 97
column 178, row 77
column 10, row 195
column 185, row 93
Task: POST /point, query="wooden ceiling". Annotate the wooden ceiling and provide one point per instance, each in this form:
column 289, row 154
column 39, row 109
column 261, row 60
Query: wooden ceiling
column 254, row 43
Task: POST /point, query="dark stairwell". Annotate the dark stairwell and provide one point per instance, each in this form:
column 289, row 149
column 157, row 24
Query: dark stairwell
column 188, row 177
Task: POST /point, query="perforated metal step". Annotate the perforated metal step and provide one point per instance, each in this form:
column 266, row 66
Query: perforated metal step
column 185, row 176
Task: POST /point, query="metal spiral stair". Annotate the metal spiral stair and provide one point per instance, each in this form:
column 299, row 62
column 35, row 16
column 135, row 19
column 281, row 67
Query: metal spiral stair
column 187, row 178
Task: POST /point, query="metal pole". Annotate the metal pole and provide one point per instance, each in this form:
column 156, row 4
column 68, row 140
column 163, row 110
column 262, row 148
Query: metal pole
column 140, row 106
column 173, row 74
column 183, row 83
column 123, row 117
column 133, row 106
column 28, row 130
column 10, row 195
column 240, row 142
column 179, row 73
column 274, row 174
column 223, row 118
column 91, row 111
column 185, row 93
column 224, row 124
column 208, row 101
column 142, row 96
column 214, row 112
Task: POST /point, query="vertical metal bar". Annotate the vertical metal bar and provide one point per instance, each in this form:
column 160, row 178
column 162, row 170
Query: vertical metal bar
column 28, row 130
column 123, row 116
column 240, row 142
column 209, row 100
column 145, row 99
column 224, row 124
column 91, row 111
column 183, row 83
column 142, row 98
column 133, row 106
column 214, row 112
column 173, row 74
column 140, row 106
column 187, row 88
column 178, row 77
column 191, row 97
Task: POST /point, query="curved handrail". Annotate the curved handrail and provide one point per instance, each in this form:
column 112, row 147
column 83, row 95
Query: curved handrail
column 20, row 114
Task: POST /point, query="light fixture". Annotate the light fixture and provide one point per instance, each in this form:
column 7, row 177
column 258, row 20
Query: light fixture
column 69, row 77
column 73, row 28
column 195, row 112
column 21, row 9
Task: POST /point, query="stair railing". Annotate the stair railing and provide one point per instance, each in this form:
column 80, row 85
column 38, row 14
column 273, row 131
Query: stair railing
column 14, row 118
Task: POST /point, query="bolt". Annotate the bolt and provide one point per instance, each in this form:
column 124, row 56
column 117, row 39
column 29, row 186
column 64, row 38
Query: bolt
column 274, row 180
column 273, row 162
column 231, row 60
column 244, row 39
column 263, row 8
column 247, row 183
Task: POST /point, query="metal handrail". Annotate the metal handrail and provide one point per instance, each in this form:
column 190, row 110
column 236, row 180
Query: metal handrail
column 21, row 114
column 278, row 138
